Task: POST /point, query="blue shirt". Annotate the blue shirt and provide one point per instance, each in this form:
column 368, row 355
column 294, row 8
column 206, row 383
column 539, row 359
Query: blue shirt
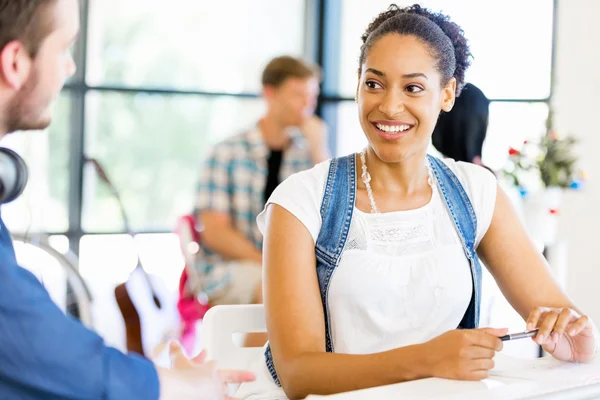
column 46, row 355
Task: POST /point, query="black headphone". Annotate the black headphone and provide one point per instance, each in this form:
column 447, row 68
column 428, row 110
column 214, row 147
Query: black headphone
column 13, row 175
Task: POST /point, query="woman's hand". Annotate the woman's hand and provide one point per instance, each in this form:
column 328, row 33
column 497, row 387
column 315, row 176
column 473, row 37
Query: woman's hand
column 463, row 354
column 564, row 333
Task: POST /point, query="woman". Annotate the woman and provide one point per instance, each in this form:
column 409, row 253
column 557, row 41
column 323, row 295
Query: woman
column 460, row 133
column 371, row 260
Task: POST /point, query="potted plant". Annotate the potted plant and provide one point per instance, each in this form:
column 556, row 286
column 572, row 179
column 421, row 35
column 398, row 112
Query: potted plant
column 542, row 170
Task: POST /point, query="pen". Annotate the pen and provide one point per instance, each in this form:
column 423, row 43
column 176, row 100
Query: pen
column 513, row 336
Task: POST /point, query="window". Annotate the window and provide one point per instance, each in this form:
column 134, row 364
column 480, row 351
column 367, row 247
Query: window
column 511, row 42
column 151, row 147
column 350, row 137
column 43, row 205
column 509, row 126
column 49, row 271
column 164, row 82
column 213, row 46
column 160, row 82
column 109, row 259
column 511, row 66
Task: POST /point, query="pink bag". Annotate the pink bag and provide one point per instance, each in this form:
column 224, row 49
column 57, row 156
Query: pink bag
column 191, row 310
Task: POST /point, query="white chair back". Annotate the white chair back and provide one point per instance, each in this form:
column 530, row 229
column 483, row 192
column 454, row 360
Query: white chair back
column 223, row 329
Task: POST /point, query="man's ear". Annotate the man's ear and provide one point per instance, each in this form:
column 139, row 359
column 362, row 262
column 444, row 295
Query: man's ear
column 15, row 65
column 268, row 91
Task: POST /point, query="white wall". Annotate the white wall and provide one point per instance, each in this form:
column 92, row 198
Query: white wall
column 577, row 103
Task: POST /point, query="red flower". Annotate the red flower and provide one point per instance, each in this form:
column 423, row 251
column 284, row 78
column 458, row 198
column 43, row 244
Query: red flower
column 513, row 152
column 553, row 211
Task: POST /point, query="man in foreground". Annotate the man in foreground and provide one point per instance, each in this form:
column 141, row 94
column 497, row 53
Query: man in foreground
column 44, row 354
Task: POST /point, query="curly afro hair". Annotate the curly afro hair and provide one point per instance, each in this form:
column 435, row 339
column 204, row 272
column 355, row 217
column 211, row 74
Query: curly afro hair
column 445, row 39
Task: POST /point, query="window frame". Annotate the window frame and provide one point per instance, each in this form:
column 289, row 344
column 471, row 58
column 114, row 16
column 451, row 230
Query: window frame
column 322, row 34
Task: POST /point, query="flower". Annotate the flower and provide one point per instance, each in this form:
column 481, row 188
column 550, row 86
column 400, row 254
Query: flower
column 576, row 184
column 513, row 152
column 549, row 162
column 523, row 191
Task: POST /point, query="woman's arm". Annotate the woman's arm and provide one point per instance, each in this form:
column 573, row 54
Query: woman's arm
column 296, row 327
column 525, row 279
column 520, row 270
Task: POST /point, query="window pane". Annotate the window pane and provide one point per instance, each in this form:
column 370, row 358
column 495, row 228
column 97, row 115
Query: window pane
column 77, row 49
column 46, row 268
column 151, row 147
column 219, row 46
column 109, row 259
column 508, row 62
column 43, row 205
column 510, row 124
column 349, row 135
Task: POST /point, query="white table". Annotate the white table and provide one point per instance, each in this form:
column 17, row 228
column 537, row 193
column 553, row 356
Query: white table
column 557, row 382
column 491, row 389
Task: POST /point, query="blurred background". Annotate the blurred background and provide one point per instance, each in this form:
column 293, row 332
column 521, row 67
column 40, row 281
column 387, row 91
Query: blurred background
column 158, row 83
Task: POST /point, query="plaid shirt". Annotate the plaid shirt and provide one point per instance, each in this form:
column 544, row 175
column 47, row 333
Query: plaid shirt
column 232, row 181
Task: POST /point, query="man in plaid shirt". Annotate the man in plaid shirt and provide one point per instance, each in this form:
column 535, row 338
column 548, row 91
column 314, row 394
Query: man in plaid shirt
column 240, row 174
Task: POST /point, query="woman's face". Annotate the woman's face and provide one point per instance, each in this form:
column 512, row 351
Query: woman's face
column 400, row 96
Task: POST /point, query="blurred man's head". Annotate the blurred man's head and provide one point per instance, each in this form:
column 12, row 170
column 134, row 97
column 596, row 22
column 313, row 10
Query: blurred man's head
column 35, row 59
column 291, row 89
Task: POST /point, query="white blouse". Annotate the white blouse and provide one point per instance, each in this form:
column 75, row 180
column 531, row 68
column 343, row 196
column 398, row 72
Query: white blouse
column 403, row 277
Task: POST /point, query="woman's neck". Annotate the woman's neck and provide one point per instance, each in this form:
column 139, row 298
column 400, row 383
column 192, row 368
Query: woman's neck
column 406, row 177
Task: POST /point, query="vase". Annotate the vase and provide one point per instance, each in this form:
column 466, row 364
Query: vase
column 541, row 213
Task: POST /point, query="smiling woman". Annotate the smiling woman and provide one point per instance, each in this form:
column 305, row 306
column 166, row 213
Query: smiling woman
column 387, row 266
column 399, row 76
column 396, row 91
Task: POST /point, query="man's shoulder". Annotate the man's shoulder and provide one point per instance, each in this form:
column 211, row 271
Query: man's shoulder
column 242, row 137
column 235, row 145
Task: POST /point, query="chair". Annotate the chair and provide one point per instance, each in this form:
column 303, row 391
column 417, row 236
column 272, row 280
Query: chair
column 223, row 329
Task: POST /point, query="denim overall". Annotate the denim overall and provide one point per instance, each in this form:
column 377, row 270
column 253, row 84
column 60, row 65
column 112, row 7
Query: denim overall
column 336, row 213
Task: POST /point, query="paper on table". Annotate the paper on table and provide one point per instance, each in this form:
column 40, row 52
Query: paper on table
column 431, row 389
column 545, row 368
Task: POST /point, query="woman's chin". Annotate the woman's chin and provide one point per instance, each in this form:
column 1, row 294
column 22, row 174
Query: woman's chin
column 391, row 154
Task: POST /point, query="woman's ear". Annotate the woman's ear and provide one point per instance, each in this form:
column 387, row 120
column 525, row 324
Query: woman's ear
column 449, row 95
column 357, row 87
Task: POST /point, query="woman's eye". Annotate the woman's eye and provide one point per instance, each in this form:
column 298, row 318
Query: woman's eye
column 414, row 89
column 373, row 85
